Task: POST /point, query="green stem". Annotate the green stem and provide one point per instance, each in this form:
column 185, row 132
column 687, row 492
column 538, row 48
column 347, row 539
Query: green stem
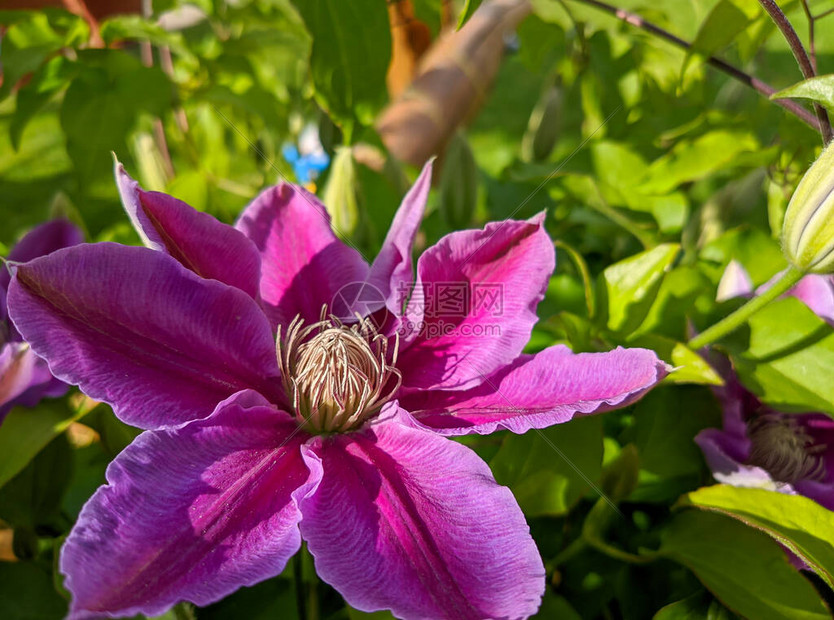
column 582, row 267
column 298, row 578
column 619, row 554
column 576, row 547
column 739, row 317
column 644, row 237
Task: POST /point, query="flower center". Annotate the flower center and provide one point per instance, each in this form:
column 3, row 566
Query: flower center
column 336, row 376
column 783, row 447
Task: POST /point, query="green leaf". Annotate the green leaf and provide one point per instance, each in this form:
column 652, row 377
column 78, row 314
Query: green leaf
column 699, row 606
column 52, row 77
column 690, row 160
column 665, row 423
column 744, row 568
column 121, row 27
column 109, row 95
column 469, row 7
column 819, row 89
column 790, row 359
column 29, row 41
column 757, row 251
column 25, row 432
column 723, row 24
column 627, row 289
column 549, row 470
column 270, row 599
column 799, row 523
column 26, row 593
column 689, row 366
column 350, row 56
column 33, row 497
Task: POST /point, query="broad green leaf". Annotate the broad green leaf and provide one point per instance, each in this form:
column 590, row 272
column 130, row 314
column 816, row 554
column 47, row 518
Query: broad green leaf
column 26, row 593
column 52, row 77
column 665, row 424
column 670, row 313
column 109, row 96
column 350, row 56
column 790, row 359
column 33, row 497
column 724, row 22
column 799, row 523
column 689, row 366
column 626, row 290
column 748, row 571
column 690, row 160
column 549, row 470
column 819, row 89
column 699, row 606
column 25, row 432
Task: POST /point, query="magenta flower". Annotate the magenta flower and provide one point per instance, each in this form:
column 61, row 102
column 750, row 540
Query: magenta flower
column 24, row 377
column 764, row 448
column 337, row 435
column 759, row 446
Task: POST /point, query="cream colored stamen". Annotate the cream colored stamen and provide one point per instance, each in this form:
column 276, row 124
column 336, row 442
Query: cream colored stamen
column 783, row 447
column 336, row 376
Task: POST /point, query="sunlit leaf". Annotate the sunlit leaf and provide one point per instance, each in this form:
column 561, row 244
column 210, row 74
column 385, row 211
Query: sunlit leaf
column 799, row 523
column 819, row 89
column 748, row 571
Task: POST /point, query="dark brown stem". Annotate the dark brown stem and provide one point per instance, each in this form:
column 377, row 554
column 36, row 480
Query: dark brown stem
column 756, row 84
column 802, row 59
column 812, row 53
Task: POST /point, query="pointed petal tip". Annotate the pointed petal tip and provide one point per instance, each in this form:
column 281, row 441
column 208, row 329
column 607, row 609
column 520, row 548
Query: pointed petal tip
column 539, row 218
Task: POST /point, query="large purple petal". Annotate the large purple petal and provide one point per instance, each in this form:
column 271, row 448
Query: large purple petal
column 303, row 264
column 540, row 390
column 134, row 328
column 409, row 521
column 191, row 514
column 474, row 305
column 391, row 272
column 198, row 241
column 39, row 241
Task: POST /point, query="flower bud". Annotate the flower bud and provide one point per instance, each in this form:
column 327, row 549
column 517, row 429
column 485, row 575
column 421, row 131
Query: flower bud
column 544, row 126
column 808, row 230
column 340, row 197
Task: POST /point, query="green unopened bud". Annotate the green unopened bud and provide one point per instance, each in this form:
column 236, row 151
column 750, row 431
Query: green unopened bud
column 340, row 194
column 808, row 230
column 458, row 183
column 544, row 126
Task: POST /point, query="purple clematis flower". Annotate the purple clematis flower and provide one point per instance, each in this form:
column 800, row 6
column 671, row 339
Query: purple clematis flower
column 764, row 448
column 759, row 446
column 270, row 420
column 24, row 377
